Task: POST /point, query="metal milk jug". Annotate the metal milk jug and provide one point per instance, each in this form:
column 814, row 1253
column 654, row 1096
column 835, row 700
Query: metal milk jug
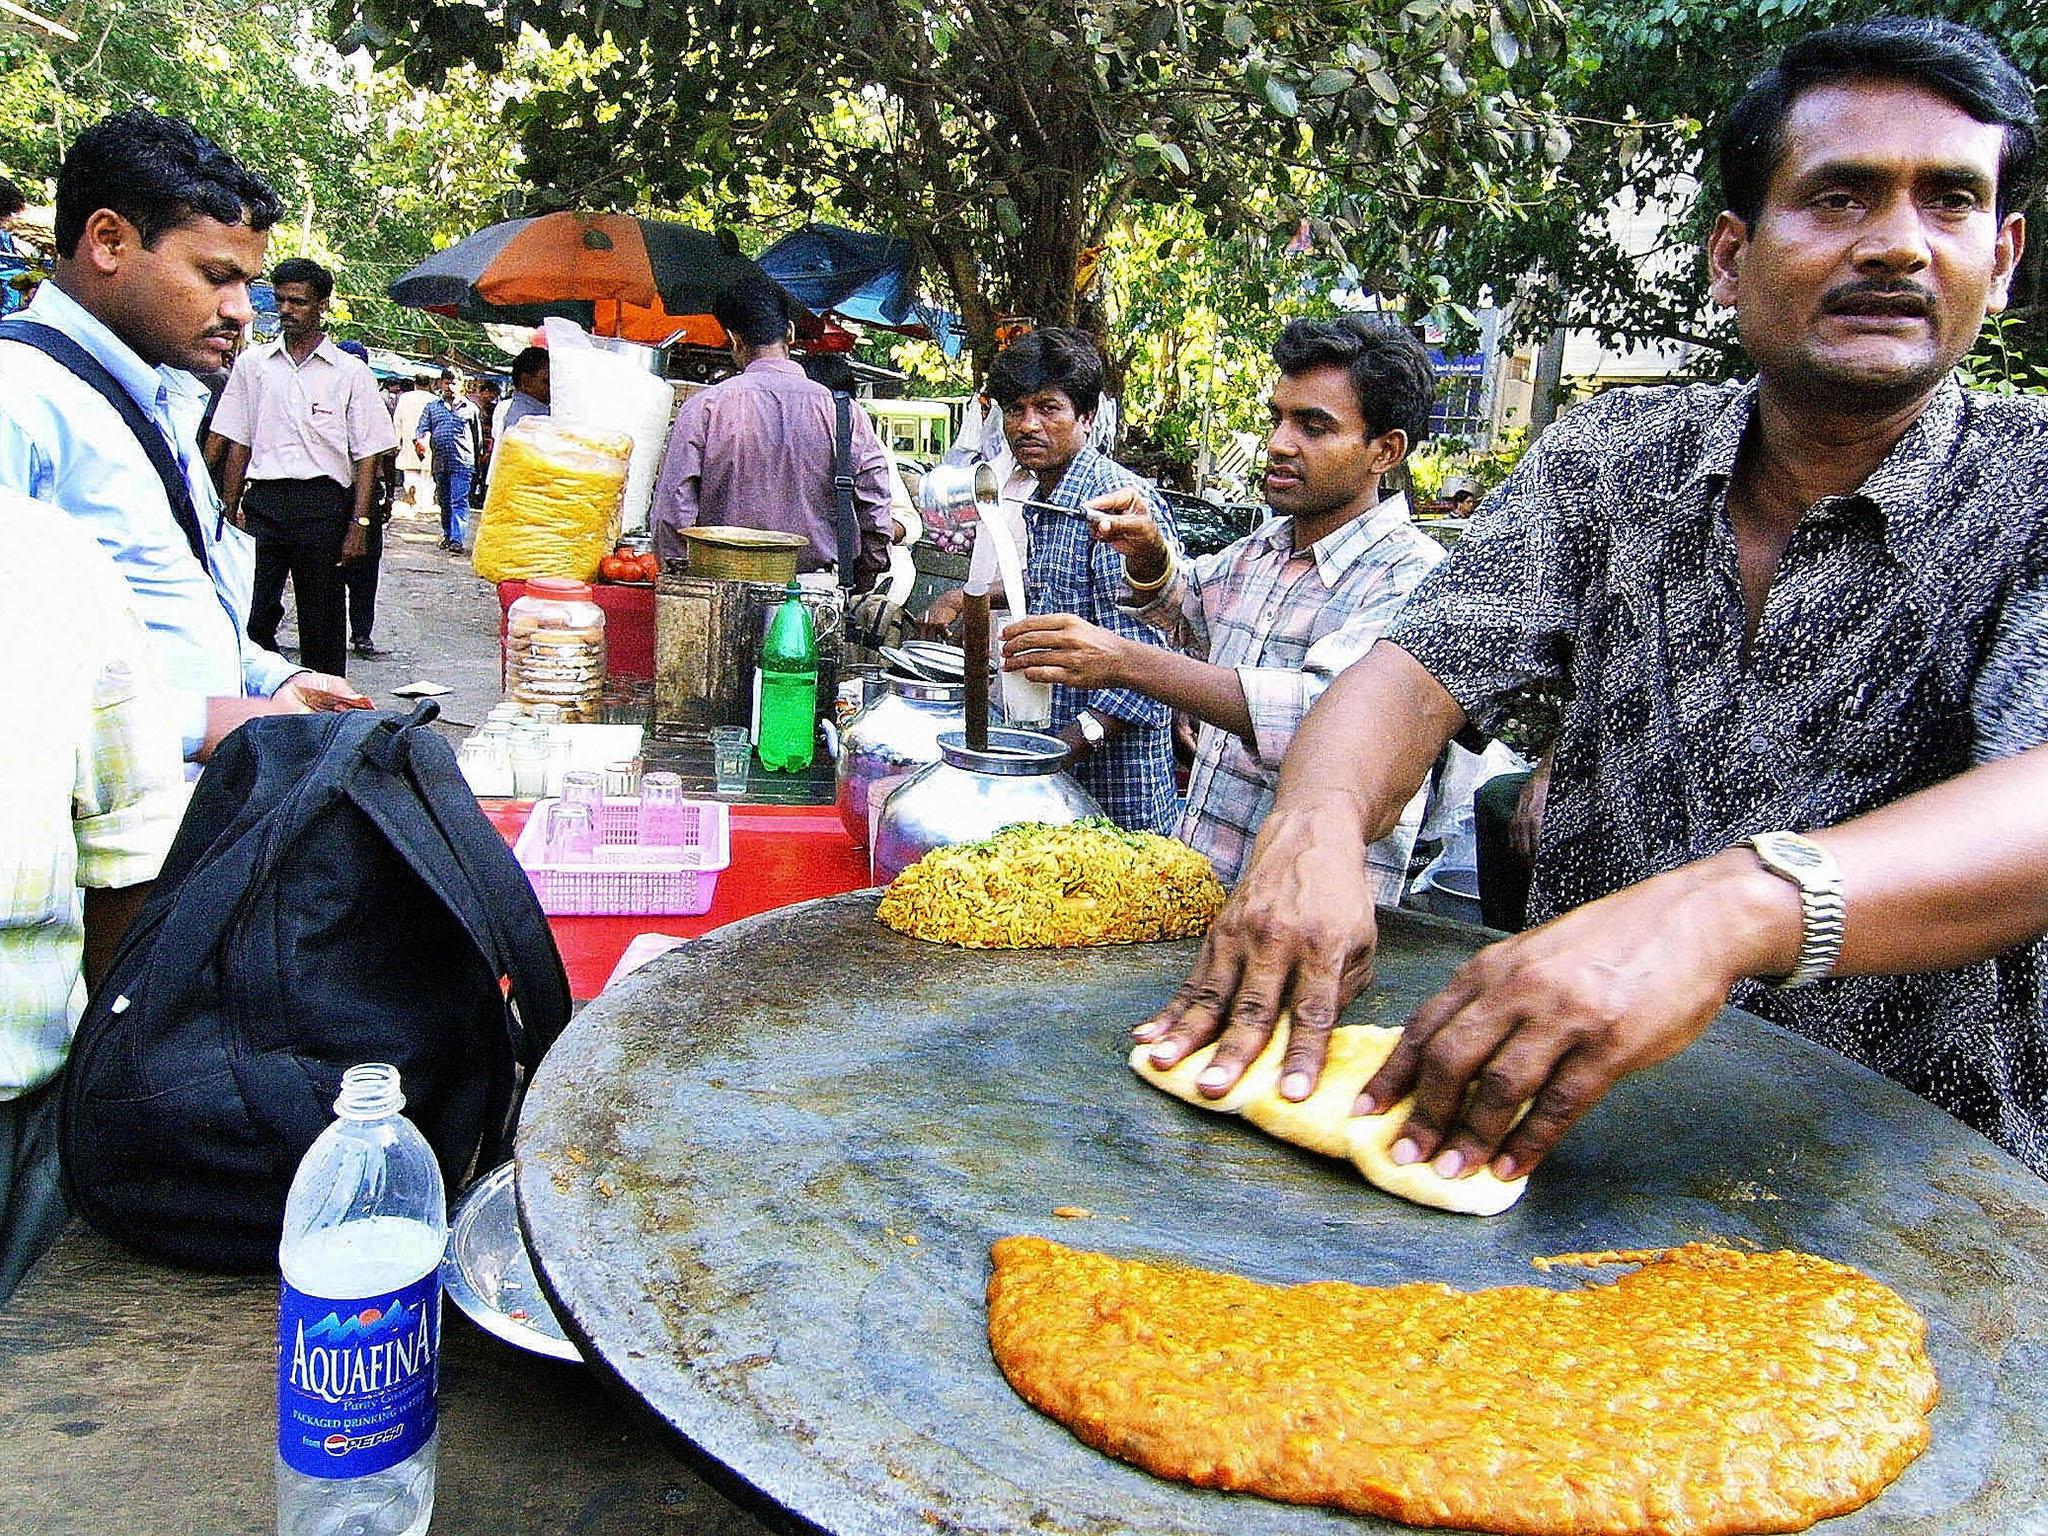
column 890, row 739
column 968, row 795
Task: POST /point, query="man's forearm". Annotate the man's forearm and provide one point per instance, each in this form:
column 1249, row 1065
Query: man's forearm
column 1370, row 741
column 232, row 472
column 1950, row 875
column 107, row 916
column 224, row 715
column 1206, row 691
column 366, row 484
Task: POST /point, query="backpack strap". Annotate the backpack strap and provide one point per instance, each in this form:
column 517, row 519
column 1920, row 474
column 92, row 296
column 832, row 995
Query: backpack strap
column 842, row 490
column 505, row 918
column 65, row 352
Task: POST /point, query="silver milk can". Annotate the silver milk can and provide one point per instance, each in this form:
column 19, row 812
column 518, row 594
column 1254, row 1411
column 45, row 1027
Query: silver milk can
column 969, row 795
column 889, row 740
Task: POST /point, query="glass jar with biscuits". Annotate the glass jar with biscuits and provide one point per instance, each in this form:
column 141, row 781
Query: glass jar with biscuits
column 554, row 649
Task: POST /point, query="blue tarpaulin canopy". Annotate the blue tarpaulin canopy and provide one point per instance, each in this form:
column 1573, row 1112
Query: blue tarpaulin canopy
column 869, row 279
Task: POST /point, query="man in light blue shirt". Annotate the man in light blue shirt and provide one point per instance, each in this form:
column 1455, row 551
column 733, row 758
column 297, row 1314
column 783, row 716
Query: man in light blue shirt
column 158, row 235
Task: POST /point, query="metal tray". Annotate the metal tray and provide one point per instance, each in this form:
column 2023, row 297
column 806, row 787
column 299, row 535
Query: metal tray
column 488, row 1273
column 762, row 1176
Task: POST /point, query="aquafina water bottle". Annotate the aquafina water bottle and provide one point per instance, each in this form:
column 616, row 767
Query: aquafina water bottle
column 359, row 1325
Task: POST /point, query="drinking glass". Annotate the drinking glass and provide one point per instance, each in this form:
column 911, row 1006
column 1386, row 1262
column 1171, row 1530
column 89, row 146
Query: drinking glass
column 732, row 752
column 572, row 837
column 1025, row 705
column 661, row 810
column 622, row 779
column 529, row 766
column 584, row 786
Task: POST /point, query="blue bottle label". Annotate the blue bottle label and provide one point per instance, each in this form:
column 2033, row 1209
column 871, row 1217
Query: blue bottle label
column 355, row 1379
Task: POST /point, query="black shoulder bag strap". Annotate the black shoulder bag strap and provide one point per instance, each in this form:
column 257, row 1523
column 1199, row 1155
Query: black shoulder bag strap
column 61, row 349
column 842, row 491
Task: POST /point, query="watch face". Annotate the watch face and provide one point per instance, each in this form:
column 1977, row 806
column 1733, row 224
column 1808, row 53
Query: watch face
column 1791, row 851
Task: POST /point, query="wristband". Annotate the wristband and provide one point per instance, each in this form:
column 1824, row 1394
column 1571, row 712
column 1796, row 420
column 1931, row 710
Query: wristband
column 1146, row 588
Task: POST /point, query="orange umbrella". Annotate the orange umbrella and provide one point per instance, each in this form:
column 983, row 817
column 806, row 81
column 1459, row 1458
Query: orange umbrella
column 646, row 280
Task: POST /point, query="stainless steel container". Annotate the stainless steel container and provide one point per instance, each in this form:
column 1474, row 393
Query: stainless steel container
column 969, row 795
column 891, row 739
column 707, row 642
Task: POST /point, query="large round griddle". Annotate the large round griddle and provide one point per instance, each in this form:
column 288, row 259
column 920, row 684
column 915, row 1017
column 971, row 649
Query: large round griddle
column 762, row 1178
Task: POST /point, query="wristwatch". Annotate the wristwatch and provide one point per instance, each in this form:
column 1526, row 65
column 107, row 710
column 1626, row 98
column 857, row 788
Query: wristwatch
column 1822, row 912
column 1092, row 730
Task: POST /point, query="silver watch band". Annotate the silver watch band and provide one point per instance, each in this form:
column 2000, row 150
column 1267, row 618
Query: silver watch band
column 1823, row 910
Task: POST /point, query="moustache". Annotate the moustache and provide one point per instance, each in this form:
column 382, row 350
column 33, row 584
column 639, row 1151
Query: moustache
column 1893, row 297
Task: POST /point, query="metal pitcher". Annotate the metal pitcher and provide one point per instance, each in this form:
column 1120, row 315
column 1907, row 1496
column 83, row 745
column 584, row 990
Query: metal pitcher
column 891, row 739
column 969, row 795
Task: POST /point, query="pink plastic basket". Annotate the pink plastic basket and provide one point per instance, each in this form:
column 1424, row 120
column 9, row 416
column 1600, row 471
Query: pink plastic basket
column 628, row 880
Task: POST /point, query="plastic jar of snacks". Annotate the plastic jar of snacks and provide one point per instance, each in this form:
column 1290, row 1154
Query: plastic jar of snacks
column 554, row 649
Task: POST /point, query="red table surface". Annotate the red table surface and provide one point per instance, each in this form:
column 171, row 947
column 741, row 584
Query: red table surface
column 628, row 625
column 780, row 854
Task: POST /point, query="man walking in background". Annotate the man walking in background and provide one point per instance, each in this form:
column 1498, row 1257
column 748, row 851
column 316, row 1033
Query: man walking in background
column 448, row 432
column 307, row 435
column 360, row 576
column 416, row 479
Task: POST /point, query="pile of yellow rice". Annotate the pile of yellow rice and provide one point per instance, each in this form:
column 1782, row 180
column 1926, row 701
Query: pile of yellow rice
column 1034, row 886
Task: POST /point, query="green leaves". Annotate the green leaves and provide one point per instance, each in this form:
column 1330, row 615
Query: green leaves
column 1280, row 96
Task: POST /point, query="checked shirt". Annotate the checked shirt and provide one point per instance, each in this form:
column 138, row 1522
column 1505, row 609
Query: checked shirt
column 1287, row 622
column 1067, row 571
column 1904, row 637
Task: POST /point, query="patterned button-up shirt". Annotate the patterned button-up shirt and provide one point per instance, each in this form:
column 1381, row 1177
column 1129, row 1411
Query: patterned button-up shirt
column 1067, row 571
column 1904, row 637
column 1287, row 621
column 91, row 774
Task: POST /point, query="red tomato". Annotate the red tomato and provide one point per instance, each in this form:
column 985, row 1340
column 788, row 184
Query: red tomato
column 650, row 567
column 618, row 568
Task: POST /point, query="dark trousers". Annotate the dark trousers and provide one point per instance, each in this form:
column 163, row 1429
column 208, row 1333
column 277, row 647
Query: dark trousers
column 360, row 577
column 1503, row 877
column 298, row 526
column 451, row 489
column 32, row 1206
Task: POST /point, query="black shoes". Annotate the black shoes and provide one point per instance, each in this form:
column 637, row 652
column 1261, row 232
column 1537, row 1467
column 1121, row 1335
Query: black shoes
column 369, row 650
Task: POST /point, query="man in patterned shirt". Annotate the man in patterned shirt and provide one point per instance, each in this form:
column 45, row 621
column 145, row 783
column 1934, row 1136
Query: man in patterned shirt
column 94, row 785
column 1262, row 627
column 1049, row 385
column 1813, row 601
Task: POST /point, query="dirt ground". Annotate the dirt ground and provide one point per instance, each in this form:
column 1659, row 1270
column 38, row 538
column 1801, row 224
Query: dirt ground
column 435, row 616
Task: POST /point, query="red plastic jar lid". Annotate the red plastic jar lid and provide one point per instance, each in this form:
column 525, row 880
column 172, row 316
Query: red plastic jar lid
column 560, row 589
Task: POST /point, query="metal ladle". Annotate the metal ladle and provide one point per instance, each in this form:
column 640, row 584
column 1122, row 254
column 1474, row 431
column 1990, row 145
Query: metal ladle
column 962, row 493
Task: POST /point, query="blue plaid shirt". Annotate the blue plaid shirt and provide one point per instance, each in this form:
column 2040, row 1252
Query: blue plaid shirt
column 1067, row 571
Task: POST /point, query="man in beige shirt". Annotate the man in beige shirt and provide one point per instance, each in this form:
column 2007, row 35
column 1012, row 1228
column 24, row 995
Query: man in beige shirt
column 306, row 428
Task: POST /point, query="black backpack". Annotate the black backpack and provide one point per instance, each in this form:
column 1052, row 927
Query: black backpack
column 334, row 896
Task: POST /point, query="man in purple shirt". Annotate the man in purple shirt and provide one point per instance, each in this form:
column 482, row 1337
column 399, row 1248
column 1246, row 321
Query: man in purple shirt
column 759, row 450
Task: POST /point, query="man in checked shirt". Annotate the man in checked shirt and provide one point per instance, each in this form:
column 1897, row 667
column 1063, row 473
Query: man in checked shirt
column 1049, row 385
column 1262, row 627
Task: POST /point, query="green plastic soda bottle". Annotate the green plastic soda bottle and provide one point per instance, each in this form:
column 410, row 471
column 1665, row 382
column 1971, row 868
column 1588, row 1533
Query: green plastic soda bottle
column 786, row 688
